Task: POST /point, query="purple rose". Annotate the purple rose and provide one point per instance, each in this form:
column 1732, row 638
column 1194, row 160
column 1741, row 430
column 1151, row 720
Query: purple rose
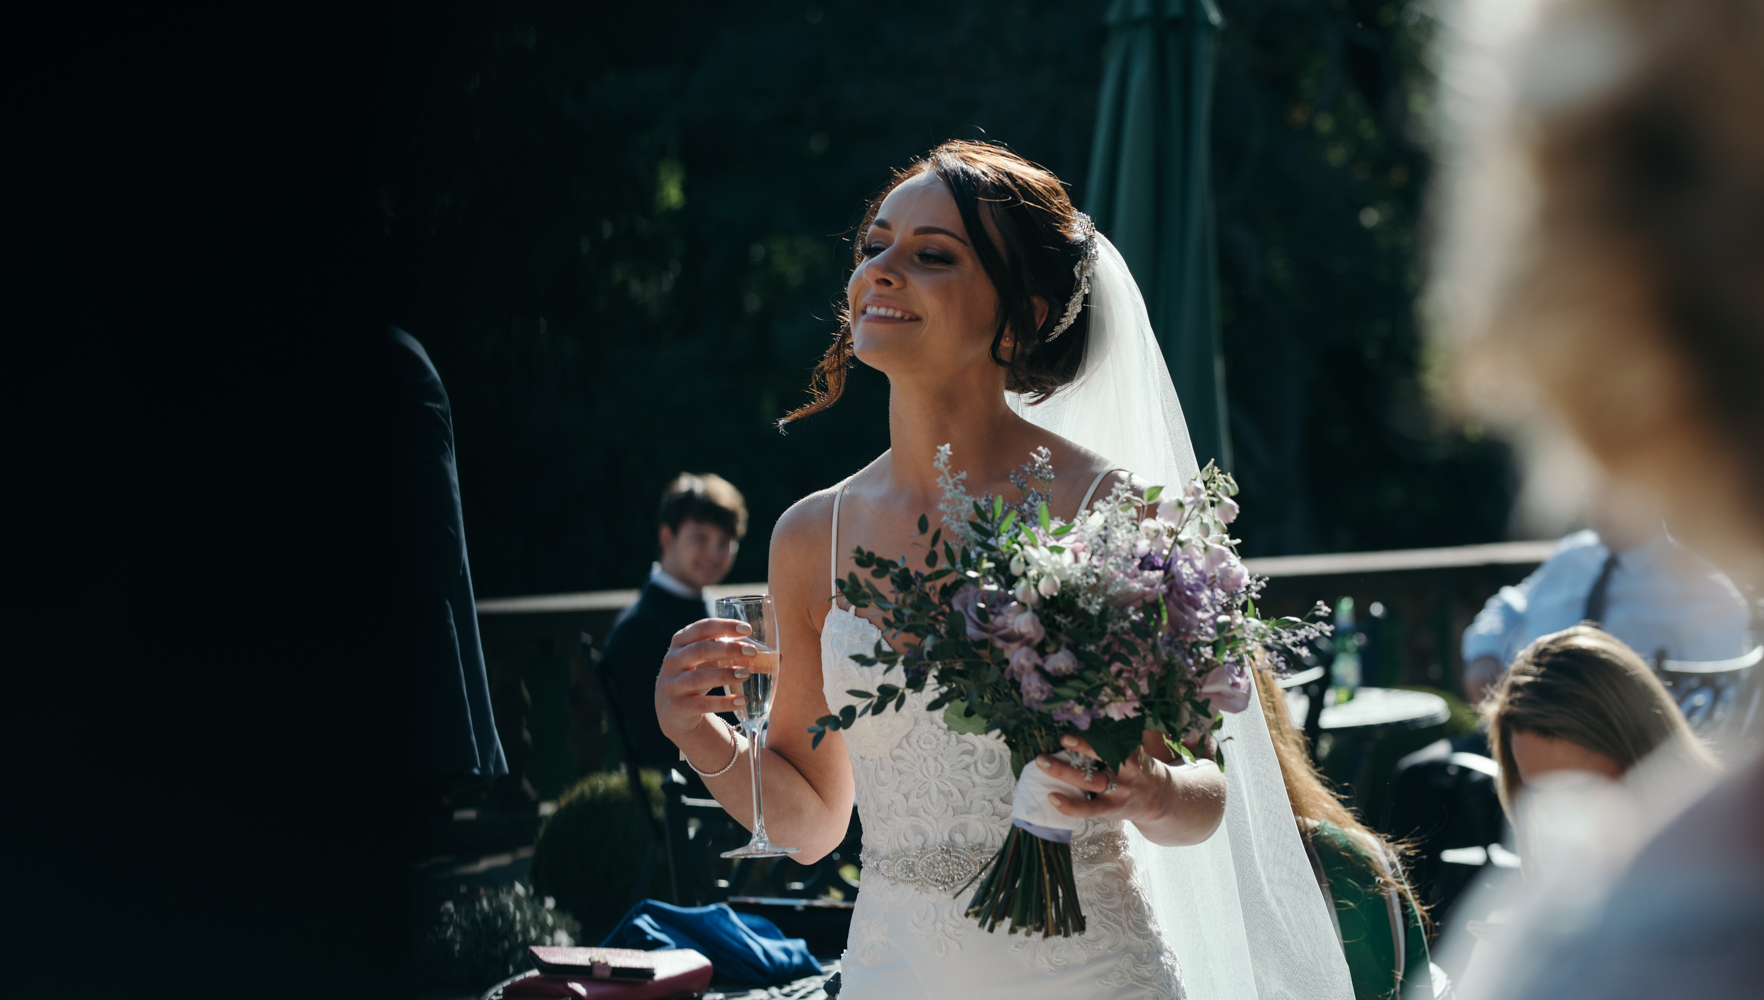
column 967, row 601
column 1000, row 610
column 1227, row 687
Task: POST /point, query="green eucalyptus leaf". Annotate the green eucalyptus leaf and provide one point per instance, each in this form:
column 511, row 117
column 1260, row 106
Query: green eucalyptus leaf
column 1151, row 495
column 855, row 693
column 1045, row 518
column 958, row 720
column 924, row 524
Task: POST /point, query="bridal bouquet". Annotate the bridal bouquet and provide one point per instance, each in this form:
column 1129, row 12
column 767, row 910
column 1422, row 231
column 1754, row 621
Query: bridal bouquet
column 1136, row 616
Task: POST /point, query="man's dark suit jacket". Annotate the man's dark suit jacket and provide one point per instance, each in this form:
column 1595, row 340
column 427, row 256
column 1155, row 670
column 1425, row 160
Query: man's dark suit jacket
column 633, row 658
column 450, row 724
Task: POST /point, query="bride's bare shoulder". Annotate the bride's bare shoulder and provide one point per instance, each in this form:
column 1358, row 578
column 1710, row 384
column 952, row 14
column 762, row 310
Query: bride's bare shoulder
column 806, row 525
column 1076, row 467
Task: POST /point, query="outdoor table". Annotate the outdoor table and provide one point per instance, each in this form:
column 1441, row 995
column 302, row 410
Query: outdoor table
column 1373, row 710
column 1364, row 722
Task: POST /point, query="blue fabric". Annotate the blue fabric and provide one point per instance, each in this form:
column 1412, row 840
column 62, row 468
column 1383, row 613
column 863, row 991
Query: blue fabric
column 740, row 946
column 1661, row 596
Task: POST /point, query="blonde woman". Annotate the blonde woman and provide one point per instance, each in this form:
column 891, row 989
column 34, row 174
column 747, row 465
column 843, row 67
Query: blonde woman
column 1579, row 700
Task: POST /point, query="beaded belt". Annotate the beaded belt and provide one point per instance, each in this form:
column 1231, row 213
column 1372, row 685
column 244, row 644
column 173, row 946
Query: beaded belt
column 947, row 867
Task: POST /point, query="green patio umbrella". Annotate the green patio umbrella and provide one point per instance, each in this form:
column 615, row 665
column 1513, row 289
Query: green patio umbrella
column 1151, row 191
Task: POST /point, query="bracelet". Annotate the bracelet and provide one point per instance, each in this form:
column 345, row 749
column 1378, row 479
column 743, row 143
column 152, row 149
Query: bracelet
column 732, row 759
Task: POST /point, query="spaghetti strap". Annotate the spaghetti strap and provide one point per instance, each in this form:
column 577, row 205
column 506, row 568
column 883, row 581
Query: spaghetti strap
column 833, row 550
column 1088, row 494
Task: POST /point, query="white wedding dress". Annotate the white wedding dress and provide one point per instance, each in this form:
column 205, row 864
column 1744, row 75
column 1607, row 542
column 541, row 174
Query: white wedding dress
column 935, row 806
column 1237, row 917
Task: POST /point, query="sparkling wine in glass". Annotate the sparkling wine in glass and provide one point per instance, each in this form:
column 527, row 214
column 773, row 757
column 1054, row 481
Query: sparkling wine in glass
column 759, row 687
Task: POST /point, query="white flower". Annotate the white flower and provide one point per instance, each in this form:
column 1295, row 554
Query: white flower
column 1227, row 510
column 1151, row 527
column 1217, row 558
column 1018, row 567
column 1170, row 512
column 1025, row 592
column 1194, row 494
column 1049, row 585
column 1233, row 577
column 1141, row 549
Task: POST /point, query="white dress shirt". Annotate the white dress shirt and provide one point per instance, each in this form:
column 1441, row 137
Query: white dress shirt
column 1661, row 596
column 668, row 582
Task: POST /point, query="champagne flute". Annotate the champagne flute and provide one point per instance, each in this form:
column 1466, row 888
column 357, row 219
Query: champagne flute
column 759, row 687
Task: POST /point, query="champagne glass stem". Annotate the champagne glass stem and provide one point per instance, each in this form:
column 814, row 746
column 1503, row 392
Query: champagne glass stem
column 756, row 741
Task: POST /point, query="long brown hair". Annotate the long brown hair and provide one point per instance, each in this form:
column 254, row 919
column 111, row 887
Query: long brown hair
column 1311, row 799
column 1583, row 686
column 1042, row 239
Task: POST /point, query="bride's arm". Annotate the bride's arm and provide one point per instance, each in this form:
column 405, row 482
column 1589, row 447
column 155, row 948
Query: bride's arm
column 808, row 792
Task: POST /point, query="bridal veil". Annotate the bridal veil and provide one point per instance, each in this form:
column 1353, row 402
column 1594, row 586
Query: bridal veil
column 1242, row 912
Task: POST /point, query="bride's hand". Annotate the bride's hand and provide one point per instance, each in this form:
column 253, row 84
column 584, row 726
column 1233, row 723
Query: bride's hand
column 704, row 655
column 1144, row 787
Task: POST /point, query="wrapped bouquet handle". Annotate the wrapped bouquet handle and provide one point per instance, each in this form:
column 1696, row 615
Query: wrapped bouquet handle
column 1030, row 809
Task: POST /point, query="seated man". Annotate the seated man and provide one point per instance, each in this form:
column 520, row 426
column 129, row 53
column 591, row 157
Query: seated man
column 702, row 520
column 1628, row 576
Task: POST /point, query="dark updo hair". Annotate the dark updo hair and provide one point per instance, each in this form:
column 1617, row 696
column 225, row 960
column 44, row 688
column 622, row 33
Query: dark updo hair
column 1043, row 238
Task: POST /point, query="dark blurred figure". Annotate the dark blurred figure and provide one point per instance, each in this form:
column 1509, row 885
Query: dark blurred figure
column 1620, row 161
column 701, row 522
column 451, row 725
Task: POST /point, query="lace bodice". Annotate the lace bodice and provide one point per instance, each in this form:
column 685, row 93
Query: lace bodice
column 918, row 784
column 922, row 787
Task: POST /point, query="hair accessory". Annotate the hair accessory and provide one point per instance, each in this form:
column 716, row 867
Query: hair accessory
column 1082, row 270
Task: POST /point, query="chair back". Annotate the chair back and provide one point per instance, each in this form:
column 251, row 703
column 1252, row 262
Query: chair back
column 1719, row 698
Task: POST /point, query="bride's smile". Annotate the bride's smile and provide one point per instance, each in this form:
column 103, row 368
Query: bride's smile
column 919, row 297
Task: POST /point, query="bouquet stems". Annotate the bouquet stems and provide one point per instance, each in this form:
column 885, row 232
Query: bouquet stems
column 1029, row 882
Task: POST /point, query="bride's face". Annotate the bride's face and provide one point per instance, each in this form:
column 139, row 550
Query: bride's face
column 920, row 299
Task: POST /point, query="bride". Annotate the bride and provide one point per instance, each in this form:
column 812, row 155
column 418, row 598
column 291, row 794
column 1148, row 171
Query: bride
column 1004, row 323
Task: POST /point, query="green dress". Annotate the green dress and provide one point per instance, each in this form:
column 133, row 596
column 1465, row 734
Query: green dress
column 1376, row 923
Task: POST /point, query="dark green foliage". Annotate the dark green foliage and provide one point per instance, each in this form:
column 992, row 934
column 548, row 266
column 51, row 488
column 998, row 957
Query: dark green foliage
column 591, row 849
column 1320, row 173
column 620, row 231
column 480, row 938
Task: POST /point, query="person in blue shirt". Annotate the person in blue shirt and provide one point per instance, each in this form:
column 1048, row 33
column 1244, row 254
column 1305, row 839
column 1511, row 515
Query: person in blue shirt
column 1629, row 576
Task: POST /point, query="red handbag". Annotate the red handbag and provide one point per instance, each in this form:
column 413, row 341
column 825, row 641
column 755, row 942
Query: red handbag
column 612, row 974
